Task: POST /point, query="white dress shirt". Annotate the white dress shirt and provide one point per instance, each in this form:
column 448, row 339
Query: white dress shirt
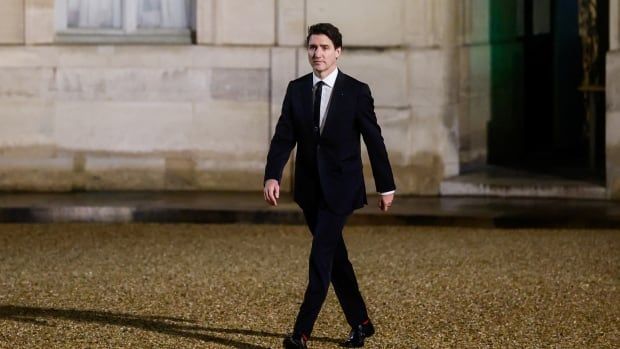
column 326, row 94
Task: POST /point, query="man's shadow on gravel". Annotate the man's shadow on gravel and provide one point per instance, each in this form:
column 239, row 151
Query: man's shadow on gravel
column 160, row 324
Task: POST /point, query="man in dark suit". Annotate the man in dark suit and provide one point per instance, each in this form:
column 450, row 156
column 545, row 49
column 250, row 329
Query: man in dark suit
column 325, row 113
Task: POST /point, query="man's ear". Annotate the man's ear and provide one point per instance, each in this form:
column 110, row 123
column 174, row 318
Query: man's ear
column 338, row 52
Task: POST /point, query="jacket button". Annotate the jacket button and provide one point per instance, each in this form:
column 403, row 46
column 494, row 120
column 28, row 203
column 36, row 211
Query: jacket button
column 316, row 129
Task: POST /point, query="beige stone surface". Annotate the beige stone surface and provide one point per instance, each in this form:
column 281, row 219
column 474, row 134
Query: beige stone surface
column 180, row 172
column 451, row 22
column 612, row 152
column 474, row 103
column 231, row 175
column 209, row 109
column 99, row 163
column 56, row 163
column 475, row 70
column 474, row 115
column 153, row 56
column 422, row 175
column 121, row 56
column 118, row 172
column 612, row 136
column 612, row 88
column 432, row 78
column 205, row 21
column 129, row 56
column 241, row 85
column 362, row 22
column 420, row 147
column 40, row 173
column 26, row 83
column 120, row 106
column 231, row 131
column 124, row 127
column 12, row 22
column 303, row 66
column 291, row 24
column 245, row 22
column 476, row 21
column 395, row 126
column 25, row 124
column 612, row 124
column 27, row 57
column 385, row 72
column 423, row 22
column 231, row 57
column 431, row 135
column 283, row 70
column 39, row 22
column 130, row 84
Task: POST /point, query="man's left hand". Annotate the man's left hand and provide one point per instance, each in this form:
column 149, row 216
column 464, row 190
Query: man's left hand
column 385, row 202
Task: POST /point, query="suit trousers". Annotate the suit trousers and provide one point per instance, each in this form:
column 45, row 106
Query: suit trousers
column 329, row 261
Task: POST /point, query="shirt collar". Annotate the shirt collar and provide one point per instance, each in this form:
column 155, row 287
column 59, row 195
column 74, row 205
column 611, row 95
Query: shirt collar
column 329, row 80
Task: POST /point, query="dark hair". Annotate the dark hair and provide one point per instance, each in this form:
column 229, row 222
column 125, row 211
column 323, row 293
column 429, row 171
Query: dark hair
column 328, row 30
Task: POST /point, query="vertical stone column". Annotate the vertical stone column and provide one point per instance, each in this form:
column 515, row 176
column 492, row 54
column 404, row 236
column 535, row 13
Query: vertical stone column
column 39, row 22
column 205, row 21
column 451, row 43
column 612, row 96
column 245, row 22
column 475, row 84
column 236, row 22
column 291, row 24
column 433, row 39
column 12, row 22
column 614, row 25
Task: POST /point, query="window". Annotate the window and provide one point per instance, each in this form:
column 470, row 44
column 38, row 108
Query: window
column 125, row 21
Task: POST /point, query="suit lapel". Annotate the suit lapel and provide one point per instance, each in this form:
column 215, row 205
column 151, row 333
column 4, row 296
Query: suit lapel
column 306, row 100
column 337, row 93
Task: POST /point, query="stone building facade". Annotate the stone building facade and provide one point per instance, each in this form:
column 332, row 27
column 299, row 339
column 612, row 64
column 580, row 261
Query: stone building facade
column 153, row 115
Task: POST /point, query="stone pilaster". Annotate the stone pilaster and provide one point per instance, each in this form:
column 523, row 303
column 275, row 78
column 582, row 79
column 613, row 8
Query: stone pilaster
column 12, row 22
column 39, row 22
column 612, row 124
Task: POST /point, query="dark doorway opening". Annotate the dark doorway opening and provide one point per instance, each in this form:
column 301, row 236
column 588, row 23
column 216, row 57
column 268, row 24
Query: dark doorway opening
column 545, row 118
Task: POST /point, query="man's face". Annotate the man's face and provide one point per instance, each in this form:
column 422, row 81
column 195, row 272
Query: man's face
column 322, row 55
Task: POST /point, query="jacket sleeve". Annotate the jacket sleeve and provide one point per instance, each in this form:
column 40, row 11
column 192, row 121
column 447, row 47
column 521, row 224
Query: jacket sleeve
column 283, row 141
column 371, row 133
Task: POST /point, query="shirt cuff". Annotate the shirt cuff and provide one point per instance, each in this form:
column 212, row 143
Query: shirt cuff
column 388, row 193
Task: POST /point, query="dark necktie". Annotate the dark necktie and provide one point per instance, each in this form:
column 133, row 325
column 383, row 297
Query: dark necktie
column 316, row 108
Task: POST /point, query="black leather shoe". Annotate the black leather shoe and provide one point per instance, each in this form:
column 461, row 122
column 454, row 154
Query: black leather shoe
column 358, row 334
column 295, row 342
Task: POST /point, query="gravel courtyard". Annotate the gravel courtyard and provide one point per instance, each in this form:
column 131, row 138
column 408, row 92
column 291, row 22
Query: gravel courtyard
column 239, row 286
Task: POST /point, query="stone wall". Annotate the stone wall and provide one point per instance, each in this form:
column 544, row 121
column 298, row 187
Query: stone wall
column 12, row 22
column 103, row 117
column 474, row 84
column 130, row 117
column 612, row 96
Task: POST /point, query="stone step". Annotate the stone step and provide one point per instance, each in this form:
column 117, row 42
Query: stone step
column 511, row 183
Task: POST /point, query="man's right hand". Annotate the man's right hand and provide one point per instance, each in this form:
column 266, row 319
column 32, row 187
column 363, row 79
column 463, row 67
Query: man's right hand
column 271, row 192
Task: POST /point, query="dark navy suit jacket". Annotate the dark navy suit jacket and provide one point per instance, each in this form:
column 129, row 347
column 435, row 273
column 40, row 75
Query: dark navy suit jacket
column 330, row 161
